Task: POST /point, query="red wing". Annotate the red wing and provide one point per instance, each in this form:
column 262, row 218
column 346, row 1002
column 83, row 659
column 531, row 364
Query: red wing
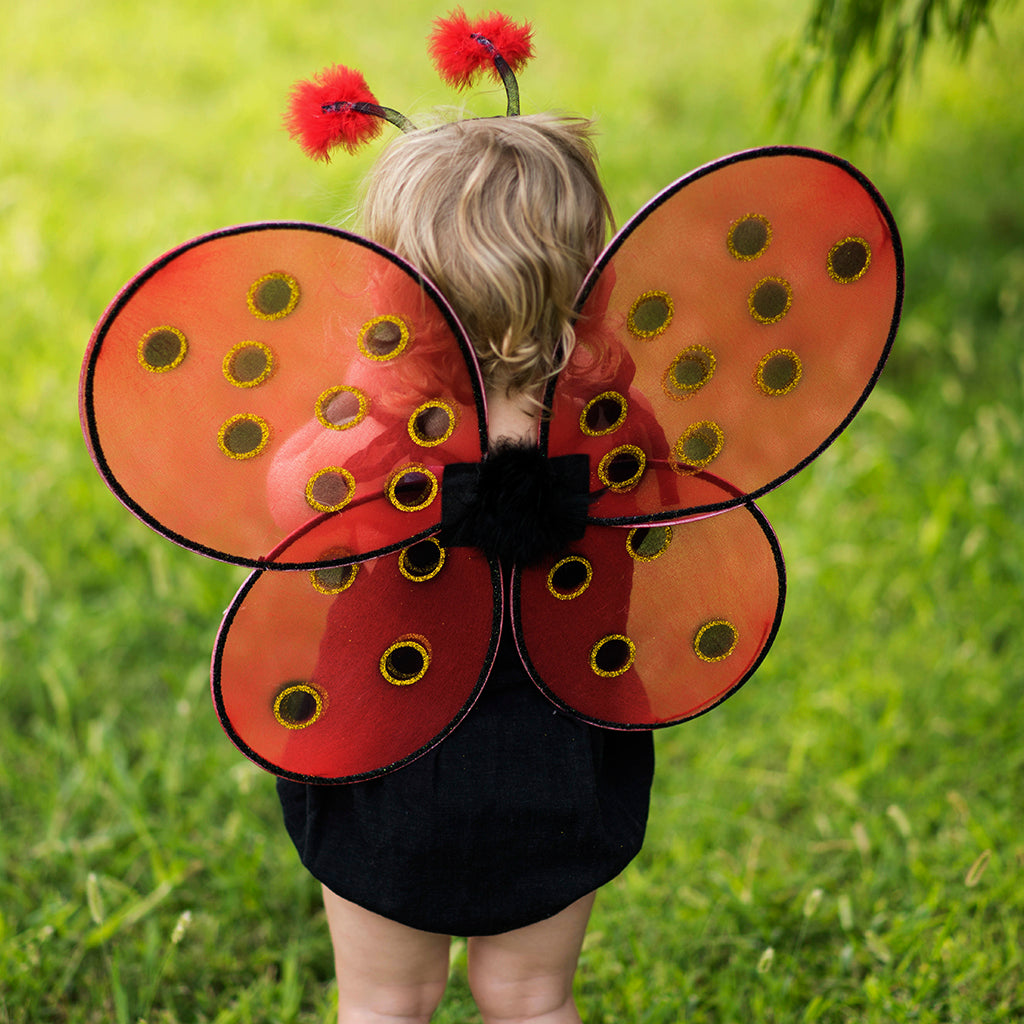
column 261, row 377
column 729, row 333
column 343, row 673
column 654, row 625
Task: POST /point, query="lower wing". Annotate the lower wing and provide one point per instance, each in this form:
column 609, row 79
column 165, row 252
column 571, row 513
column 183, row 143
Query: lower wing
column 350, row 671
column 645, row 627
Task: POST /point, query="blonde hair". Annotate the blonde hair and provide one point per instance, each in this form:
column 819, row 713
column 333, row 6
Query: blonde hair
column 505, row 215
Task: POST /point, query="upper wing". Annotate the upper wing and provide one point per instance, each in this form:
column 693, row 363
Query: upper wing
column 259, row 379
column 728, row 334
column 347, row 672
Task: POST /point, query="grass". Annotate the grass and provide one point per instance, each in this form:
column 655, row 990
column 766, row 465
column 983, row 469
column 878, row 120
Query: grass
column 839, row 843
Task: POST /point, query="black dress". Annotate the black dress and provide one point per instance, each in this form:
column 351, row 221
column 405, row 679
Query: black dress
column 521, row 811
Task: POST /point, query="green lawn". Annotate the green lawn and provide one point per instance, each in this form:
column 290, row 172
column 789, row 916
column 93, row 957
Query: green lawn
column 840, row 842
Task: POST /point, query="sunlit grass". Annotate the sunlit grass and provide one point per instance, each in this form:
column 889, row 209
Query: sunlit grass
column 840, row 842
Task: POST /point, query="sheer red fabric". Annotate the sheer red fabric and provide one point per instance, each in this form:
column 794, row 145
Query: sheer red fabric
column 288, row 396
column 747, row 312
column 258, row 379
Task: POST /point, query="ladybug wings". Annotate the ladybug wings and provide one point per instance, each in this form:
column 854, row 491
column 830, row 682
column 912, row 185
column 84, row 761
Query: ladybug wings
column 345, row 672
column 646, row 627
column 288, row 396
column 256, row 381
column 728, row 334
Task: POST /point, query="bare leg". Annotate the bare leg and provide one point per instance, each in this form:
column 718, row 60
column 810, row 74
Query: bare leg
column 386, row 971
column 526, row 975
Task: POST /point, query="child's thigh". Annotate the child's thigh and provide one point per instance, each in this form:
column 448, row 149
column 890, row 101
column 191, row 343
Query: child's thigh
column 518, row 973
column 383, row 965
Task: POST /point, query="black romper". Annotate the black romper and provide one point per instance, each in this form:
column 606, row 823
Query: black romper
column 518, row 813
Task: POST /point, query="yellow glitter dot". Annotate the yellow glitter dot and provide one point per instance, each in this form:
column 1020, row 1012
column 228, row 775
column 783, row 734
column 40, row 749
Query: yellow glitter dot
column 243, row 436
column 770, row 300
column 715, row 640
column 412, row 488
column 273, row 296
column 298, row 706
column 612, row 655
column 848, row 260
column 341, row 407
column 749, row 236
column 383, row 338
column 650, row 314
column 248, row 364
column 162, row 349
column 421, row 561
column 622, row 467
column 646, row 543
column 406, row 661
column 330, row 489
column 333, row 579
column 700, row 444
column 603, row 414
column 689, row 371
column 570, row 577
column 432, row 423
column 778, row 372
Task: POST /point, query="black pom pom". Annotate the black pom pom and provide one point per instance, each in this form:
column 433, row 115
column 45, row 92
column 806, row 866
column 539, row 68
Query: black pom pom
column 516, row 505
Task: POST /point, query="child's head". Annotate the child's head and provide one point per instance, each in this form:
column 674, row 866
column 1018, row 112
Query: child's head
column 505, row 215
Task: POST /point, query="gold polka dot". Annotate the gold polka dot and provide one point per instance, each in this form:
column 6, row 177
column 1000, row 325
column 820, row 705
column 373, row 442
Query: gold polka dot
column 603, row 414
column 421, row 561
column 612, row 655
column 778, row 372
column 273, row 296
column 333, row 579
column 243, row 436
column 848, row 260
column 432, row 423
column 412, row 488
column 570, row 577
column 406, row 661
column 715, row 640
column 330, row 489
column 341, row 407
column 770, row 300
column 298, row 706
column 650, row 314
column 622, row 467
column 689, row 371
column 699, row 445
column 162, row 349
column 646, row 543
column 383, row 338
column 749, row 236
column 248, row 364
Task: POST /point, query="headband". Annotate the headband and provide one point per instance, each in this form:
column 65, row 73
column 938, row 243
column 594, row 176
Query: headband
column 336, row 107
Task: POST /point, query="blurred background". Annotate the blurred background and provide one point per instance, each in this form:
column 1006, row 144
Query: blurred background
column 839, row 842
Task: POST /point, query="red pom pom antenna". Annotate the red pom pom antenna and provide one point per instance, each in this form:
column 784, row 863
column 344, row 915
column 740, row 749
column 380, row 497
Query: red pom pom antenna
column 461, row 48
column 336, row 108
